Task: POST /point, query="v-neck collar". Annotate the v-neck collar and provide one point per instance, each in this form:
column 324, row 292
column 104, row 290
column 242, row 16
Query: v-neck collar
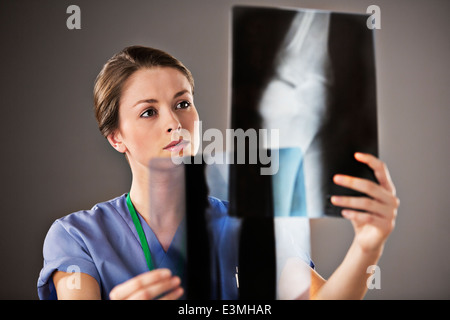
column 160, row 257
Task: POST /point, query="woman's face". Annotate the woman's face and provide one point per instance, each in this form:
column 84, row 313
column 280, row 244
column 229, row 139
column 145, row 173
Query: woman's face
column 155, row 104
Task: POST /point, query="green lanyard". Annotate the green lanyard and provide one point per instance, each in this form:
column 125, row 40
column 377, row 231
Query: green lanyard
column 141, row 233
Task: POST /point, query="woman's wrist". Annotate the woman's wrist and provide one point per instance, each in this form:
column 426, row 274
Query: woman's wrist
column 372, row 254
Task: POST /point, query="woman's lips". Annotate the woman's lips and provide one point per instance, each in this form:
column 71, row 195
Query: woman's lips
column 176, row 145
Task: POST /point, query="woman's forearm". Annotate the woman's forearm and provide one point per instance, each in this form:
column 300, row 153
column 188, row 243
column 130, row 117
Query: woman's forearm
column 349, row 281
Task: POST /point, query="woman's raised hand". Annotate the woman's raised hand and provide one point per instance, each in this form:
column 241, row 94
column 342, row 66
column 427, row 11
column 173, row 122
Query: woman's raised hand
column 378, row 210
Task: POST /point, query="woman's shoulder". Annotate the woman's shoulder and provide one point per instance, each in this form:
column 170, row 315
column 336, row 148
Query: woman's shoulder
column 87, row 219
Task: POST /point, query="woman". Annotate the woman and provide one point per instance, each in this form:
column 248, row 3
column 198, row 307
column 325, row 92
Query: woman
column 141, row 97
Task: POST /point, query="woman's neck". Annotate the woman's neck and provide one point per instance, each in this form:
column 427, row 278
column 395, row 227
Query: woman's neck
column 158, row 194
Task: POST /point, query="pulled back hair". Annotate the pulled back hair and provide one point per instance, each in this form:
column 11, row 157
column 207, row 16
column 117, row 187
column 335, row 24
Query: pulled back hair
column 116, row 71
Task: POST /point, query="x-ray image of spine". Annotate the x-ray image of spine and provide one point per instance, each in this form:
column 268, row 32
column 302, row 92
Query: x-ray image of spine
column 294, row 102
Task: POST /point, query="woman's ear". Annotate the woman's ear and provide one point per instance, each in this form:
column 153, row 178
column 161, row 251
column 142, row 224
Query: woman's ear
column 116, row 141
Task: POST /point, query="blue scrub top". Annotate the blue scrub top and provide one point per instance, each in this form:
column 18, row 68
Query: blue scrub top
column 103, row 243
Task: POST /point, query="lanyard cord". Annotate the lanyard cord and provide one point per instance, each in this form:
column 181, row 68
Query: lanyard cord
column 141, row 233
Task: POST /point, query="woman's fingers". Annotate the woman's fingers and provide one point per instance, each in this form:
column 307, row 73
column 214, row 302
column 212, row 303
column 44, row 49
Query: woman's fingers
column 148, row 284
column 363, row 218
column 381, row 199
column 379, row 168
column 126, row 289
column 156, row 290
column 373, row 216
column 357, row 217
column 361, row 203
column 173, row 295
column 368, row 187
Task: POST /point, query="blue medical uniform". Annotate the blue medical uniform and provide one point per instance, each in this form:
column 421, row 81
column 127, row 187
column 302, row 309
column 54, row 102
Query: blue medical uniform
column 103, row 243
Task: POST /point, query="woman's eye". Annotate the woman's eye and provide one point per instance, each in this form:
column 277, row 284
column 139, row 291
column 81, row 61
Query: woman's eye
column 183, row 105
column 148, row 113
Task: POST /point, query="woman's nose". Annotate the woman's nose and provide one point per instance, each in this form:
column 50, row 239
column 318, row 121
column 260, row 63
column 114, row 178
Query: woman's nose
column 177, row 128
column 173, row 123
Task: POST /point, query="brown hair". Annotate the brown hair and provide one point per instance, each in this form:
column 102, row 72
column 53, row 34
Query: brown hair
column 110, row 80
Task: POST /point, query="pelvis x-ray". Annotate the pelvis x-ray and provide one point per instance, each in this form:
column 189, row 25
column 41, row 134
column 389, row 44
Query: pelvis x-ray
column 310, row 75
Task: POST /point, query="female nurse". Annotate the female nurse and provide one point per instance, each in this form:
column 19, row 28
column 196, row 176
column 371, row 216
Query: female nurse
column 141, row 97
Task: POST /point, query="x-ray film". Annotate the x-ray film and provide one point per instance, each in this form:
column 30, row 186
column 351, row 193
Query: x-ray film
column 310, row 76
column 303, row 96
column 264, row 257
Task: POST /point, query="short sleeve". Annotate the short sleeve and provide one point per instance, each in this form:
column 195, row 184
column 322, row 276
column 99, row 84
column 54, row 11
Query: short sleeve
column 64, row 251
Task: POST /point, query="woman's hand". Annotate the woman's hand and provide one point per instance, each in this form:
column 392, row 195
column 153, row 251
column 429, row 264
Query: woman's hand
column 158, row 283
column 376, row 222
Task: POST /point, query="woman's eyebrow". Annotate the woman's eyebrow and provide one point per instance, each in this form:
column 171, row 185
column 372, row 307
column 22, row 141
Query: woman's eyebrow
column 145, row 100
column 178, row 94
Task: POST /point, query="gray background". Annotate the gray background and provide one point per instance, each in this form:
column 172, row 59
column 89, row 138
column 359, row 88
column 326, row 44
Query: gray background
column 54, row 160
